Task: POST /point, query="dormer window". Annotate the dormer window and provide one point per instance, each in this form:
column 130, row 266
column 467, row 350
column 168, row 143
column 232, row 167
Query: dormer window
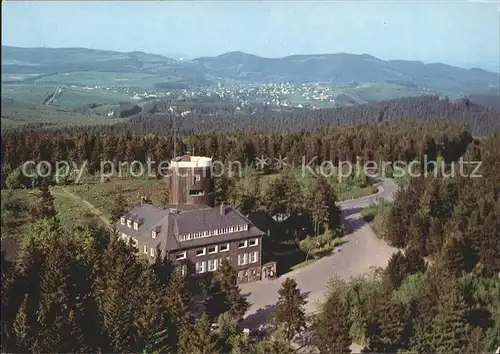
column 153, row 234
column 136, row 225
column 129, row 223
column 122, row 221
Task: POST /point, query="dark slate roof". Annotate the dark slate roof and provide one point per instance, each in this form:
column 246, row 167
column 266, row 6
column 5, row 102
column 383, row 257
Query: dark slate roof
column 169, row 225
column 262, row 220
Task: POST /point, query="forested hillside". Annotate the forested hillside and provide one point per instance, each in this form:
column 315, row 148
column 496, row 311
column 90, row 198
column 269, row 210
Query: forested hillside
column 386, row 141
column 87, row 290
column 225, row 118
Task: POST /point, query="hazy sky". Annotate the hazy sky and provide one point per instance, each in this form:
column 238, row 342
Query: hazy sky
column 461, row 32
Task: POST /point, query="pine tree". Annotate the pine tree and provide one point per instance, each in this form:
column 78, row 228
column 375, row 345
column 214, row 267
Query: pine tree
column 23, row 331
column 154, row 327
column 224, row 294
column 178, row 302
column 227, row 277
column 397, row 230
column 119, row 208
column 200, row 339
column 45, row 208
column 58, row 330
column 402, row 265
column 450, row 330
column 332, row 326
column 293, row 193
column 289, row 314
column 388, row 326
column 116, row 296
column 457, row 256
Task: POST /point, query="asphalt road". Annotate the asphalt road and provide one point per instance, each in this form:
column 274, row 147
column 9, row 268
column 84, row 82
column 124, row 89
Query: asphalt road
column 361, row 252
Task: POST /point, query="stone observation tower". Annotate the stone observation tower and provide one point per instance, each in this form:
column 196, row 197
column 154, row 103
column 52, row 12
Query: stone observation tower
column 191, row 181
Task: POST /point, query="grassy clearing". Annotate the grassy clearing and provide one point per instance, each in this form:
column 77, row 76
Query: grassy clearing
column 71, row 97
column 96, row 78
column 345, row 192
column 376, row 215
column 71, row 212
column 102, row 195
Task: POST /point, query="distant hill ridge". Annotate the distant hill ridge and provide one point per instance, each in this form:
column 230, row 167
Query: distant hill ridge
column 247, row 68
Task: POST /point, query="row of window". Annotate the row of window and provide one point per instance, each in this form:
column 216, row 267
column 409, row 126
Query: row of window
column 212, row 264
column 208, row 233
column 245, row 258
column 129, row 223
column 135, row 243
column 218, row 248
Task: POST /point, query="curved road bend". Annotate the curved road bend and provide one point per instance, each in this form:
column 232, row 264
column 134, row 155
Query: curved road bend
column 362, row 251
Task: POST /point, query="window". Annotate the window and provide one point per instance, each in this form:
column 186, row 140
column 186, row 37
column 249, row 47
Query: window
column 242, row 244
column 181, row 255
column 195, row 192
column 242, row 259
column 212, row 249
column 212, row 265
column 245, row 227
column 253, row 257
column 253, row 242
column 197, row 178
column 125, row 238
column 153, row 234
column 152, row 252
column 201, row 252
column 136, row 226
column 122, row 221
column 200, row 267
column 183, row 269
column 135, row 243
column 129, row 223
column 224, row 248
column 146, row 249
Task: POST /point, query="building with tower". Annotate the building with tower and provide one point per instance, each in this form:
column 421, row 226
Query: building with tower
column 192, row 231
column 191, row 181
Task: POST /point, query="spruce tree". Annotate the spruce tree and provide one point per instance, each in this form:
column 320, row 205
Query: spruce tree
column 24, row 327
column 154, row 325
column 388, row 326
column 45, row 208
column 227, row 277
column 450, row 329
column 457, row 255
column 117, row 297
column 224, row 294
column 119, row 208
column 332, row 326
column 58, row 329
column 289, row 314
column 200, row 339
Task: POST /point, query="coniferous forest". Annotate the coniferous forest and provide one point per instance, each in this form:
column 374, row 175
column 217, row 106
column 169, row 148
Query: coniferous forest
column 87, row 291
